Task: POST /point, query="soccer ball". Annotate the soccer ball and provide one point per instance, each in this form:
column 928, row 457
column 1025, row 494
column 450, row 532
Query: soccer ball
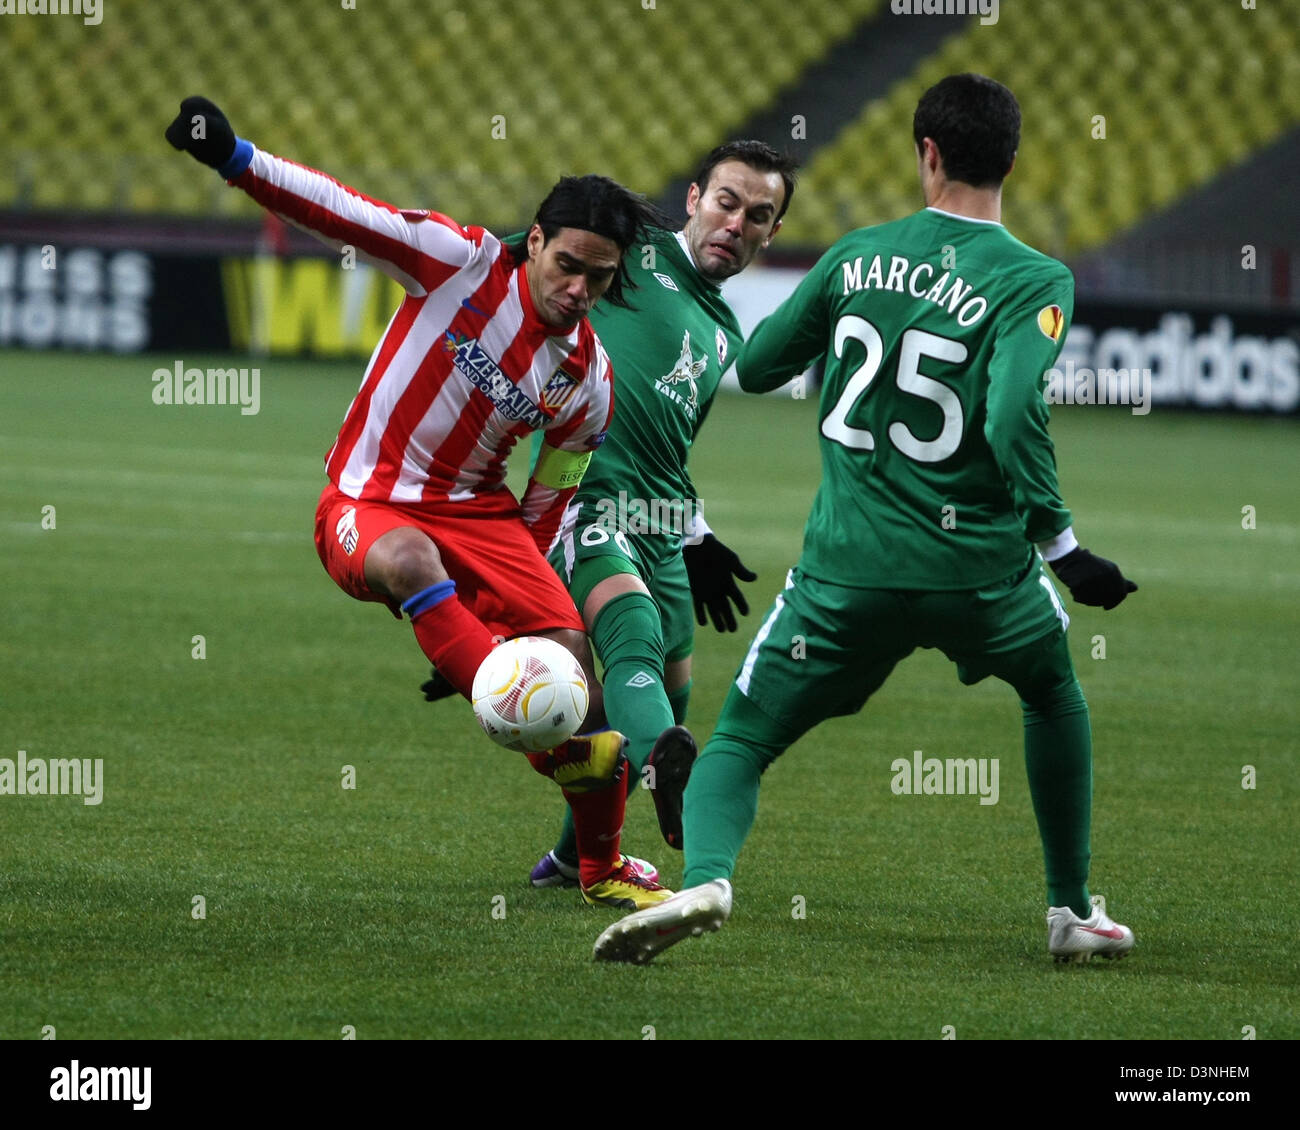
column 530, row 694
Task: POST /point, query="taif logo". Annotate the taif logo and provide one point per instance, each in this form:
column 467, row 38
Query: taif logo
column 685, row 372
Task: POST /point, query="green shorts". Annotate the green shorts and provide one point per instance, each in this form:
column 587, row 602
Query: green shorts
column 824, row 649
column 587, row 552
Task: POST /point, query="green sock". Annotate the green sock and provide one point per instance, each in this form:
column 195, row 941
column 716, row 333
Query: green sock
column 566, row 850
column 678, row 699
column 628, row 638
column 1058, row 759
column 722, row 797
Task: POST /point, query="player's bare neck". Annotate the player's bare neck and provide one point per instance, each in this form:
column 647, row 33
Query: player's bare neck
column 966, row 200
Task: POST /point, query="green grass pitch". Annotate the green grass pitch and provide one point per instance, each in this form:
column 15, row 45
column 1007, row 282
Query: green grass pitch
column 374, row 907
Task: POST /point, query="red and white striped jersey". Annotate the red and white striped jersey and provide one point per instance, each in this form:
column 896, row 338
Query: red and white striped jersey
column 464, row 368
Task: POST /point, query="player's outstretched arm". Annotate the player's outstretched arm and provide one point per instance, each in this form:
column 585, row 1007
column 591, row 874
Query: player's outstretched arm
column 418, row 249
column 1028, row 344
column 789, row 339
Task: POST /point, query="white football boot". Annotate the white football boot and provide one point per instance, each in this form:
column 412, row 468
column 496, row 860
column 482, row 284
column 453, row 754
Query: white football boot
column 1071, row 938
column 688, row 914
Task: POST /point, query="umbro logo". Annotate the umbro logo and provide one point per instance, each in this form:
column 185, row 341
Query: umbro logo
column 665, row 280
column 641, row 679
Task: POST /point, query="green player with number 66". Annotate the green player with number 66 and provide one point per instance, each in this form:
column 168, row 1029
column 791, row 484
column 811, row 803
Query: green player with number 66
column 938, row 506
column 633, row 548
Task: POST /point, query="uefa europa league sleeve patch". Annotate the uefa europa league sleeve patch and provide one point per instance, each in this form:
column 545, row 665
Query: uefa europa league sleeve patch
column 1050, row 321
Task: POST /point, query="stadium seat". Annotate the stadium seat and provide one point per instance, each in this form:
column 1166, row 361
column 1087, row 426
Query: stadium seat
column 394, row 96
column 401, row 100
column 1187, row 87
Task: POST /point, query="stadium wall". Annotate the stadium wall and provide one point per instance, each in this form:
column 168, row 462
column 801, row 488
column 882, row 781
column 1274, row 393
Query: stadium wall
column 139, row 288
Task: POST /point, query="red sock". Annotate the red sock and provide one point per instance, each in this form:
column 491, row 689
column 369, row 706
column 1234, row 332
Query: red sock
column 597, row 822
column 455, row 641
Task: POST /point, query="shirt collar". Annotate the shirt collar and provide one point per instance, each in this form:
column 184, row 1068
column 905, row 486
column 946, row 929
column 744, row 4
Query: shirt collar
column 958, row 216
column 680, row 236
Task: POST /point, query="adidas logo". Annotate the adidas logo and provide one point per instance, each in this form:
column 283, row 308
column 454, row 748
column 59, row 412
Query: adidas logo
column 641, row 679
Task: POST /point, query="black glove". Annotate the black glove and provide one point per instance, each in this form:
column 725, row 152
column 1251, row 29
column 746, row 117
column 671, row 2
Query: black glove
column 437, row 688
column 711, row 567
column 1091, row 579
column 216, row 145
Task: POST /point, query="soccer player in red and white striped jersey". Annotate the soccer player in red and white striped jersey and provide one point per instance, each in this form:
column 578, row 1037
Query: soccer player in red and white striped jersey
column 490, row 344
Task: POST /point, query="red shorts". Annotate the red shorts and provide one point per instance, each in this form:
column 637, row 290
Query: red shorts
column 484, row 545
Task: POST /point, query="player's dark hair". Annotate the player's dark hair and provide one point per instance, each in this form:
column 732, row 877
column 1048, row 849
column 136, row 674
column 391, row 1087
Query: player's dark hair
column 975, row 122
column 757, row 155
column 601, row 206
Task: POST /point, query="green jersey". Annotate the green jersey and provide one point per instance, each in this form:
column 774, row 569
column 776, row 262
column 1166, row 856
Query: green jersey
column 937, row 469
column 669, row 353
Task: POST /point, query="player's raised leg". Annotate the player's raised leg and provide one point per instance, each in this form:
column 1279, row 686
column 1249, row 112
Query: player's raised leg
column 591, row 770
column 624, row 626
column 559, row 867
column 404, row 565
column 376, row 553
column 846, row 642
column 624, row 623
column 373, row 554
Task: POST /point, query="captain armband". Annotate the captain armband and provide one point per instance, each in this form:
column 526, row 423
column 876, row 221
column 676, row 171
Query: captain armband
column 559, row 469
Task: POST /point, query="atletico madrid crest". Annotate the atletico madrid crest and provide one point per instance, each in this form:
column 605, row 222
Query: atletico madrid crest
column 558, row 391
